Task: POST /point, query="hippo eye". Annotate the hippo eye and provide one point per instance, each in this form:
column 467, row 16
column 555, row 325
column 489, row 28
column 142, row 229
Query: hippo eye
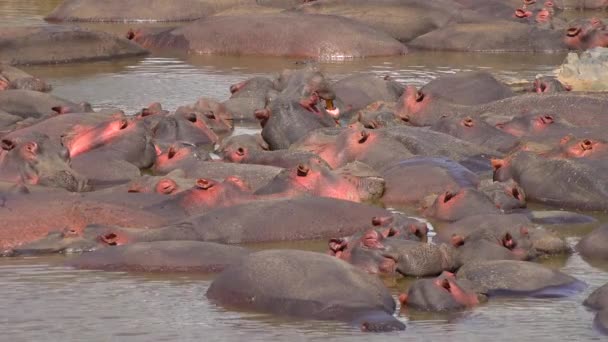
column 391, row 232
column 419, row 96
column 204, row 184
column 363, row 136
column 133, row 190
column 191, row 117
column 145, row 112
column 573, row 31
column 586, row 145
column 406, row 118
column 302, row 170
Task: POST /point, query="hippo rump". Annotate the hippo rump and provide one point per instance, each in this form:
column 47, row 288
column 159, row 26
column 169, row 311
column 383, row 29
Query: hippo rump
column 318, row 36
column 138, row 10
column 495, row 36
column 593, row 246
column 519, row 278
column 52, row 44
column 162, row 256
column 306, row 285
column 468, row 88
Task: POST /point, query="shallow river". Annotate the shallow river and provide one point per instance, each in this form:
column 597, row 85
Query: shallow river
column 42, row 300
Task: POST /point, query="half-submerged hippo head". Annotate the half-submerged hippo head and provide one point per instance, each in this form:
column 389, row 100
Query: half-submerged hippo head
column 442, row 294
column 35, row 159
column 208, row 194
column 187, row 127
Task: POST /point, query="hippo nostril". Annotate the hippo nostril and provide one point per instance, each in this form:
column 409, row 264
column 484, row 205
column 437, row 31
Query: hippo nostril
column 363, row 137
column 191, row 117
column 419, row 96
column 573, row 31
column 586, row 145
column 204, row 184
column 240, row 151
column 448, row 196
column 302, row 170
column 515, row 193
column 468, row 122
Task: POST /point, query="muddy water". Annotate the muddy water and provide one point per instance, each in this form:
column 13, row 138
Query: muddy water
column 42, row 300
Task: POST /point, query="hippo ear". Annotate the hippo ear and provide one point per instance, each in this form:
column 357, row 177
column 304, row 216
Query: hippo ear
column 337, row 244
column 262, row 114
column 61, row 109
column 524, row 231
column 31, row 147
column 303, row 170
column 8, row 144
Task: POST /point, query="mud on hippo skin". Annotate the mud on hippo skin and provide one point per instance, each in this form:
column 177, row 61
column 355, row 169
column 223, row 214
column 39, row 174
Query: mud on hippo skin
column 269, row 276
column 506, row 278
column 442, row 294
column 34, row 159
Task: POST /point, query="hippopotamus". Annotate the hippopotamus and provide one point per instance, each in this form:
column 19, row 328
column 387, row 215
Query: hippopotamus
column 537, row 240
column 13, row 78
column 184, row 127
column 178, row 155
column 34, row 159
column 249, row 95
column 41, row 213
column 476, row 131
column 547, row 85
column 126, row 139
column 137, row 11
column 403, row 20
column 468, row 88
column 301, row 218
column 360, row 90
column 506, row 196
column 369, row 183
column 34, row 104
column 558, row 181
column 278, row 158
column 592, row 246
column 306, row 285
column 232, row 35
column 505, row 278
column 311, row 179
column 215, row 114
column 598, row 299
column 61, row 44
column 442, row 294
column 378, row 114
column 163, row 256
column 409, row 181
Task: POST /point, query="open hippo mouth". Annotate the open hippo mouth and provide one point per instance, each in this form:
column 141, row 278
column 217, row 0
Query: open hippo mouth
column 311, row 102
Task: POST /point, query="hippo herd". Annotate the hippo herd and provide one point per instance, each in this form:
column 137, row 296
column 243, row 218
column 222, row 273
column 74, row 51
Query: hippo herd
column 162, row 190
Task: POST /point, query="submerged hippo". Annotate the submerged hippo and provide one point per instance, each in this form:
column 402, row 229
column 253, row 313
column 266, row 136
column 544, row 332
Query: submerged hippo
column 306, row 285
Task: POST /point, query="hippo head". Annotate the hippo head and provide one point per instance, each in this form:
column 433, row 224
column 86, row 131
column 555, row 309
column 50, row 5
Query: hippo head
column 444, row 293
column 401, row 227
column 584, row 34
column 70, row 241
column 418, row 108
column 186, row 127
column 364, row 250
column 215, row 114
column 209, row 194
column 454, row 205
column 548, row 85
column 573, row 147
column 35, row 159
column 158, row 185
column 511, row 243
column 506, row 195
column 528, row 124
column 311, row 178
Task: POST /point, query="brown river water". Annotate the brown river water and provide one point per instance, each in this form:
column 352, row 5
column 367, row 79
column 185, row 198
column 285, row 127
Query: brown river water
column 42, row 300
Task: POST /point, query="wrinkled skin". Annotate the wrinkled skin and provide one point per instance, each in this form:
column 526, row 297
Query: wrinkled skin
column 567, row 183
column 358, row 91
column 231, row 35
column 506, row 278
column 310, row 179
column 442, row 294
column 411, row 180
column 138, row 10
column 498, row 36
column 454, row 205
column 270, row 278
column 51, row 44
column 13, row 78
column 47, row 212
column 33, row 104
column 34, row 159
column 468, row 88
column 593, row 246
column 162, row 256
column 121, row 139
